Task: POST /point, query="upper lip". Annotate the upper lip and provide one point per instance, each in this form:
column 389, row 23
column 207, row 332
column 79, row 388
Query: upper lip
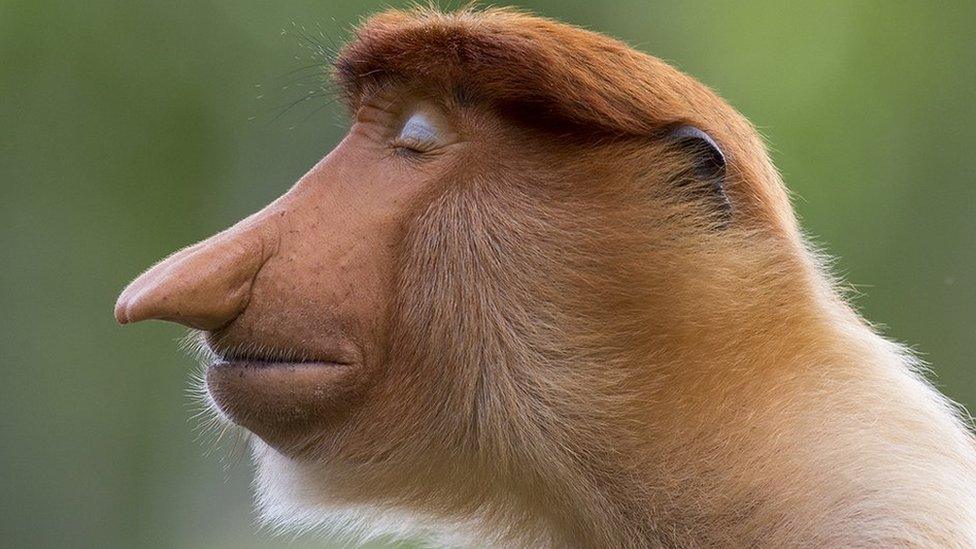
column 258, row 353
column 274, row 356
column 230, row 347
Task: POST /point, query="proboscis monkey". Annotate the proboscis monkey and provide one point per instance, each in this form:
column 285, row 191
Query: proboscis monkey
column 550, row 292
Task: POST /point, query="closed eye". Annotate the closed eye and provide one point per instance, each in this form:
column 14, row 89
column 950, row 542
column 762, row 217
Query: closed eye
column 419, row 134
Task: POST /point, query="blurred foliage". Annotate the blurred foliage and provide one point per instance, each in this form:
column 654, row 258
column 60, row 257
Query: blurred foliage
column 129, row 129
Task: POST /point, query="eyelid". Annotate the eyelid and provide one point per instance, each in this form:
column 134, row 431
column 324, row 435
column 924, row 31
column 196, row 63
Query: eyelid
column 419, row 127
column 419, row 132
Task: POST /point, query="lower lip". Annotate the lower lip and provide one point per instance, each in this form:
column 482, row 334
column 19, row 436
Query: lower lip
column 284, row 402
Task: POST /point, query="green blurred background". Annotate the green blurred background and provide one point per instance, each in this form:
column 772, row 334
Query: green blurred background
column 129, row 129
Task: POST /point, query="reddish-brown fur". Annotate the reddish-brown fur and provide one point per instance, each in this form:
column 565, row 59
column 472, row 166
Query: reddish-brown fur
column 561, row 72
column 564, row 345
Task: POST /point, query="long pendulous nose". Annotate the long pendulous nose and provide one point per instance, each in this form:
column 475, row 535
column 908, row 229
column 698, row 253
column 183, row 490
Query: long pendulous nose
column 205, row 286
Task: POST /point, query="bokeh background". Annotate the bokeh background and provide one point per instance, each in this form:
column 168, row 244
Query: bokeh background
column 130, row 129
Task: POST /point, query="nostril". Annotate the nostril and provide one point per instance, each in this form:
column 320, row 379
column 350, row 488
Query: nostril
column 121, row 312
column 129, row 300
column 123, row 305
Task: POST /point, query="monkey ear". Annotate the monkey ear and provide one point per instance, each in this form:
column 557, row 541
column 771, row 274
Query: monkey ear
column 708, row 163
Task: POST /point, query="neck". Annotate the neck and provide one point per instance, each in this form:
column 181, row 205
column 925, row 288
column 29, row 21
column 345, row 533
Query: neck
column 780, row 415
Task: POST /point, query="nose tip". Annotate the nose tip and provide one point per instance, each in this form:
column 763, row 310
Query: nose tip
column 204, row 286
column 122, row 310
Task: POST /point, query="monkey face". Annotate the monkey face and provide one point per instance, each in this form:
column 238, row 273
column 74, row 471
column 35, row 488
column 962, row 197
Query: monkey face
column 470, row 287
column 441, row 270
column 294, row 301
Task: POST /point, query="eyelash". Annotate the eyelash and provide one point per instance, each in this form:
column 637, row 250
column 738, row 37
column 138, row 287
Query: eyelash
column 409, row 148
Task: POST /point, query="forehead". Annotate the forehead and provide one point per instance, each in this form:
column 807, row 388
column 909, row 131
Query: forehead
column 509, row 57
column 401, row 92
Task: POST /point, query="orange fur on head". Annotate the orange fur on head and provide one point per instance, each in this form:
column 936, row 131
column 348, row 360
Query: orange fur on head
column 560, row 72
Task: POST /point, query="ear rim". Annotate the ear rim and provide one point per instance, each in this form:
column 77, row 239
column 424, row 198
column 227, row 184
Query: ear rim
column 710, row 164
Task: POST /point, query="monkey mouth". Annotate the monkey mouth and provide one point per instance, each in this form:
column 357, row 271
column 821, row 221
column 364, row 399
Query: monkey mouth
column 284, row 397
column 256, row 363
column 257, row 356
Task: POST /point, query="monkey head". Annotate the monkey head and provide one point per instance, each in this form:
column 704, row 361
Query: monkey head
column 479, row 302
